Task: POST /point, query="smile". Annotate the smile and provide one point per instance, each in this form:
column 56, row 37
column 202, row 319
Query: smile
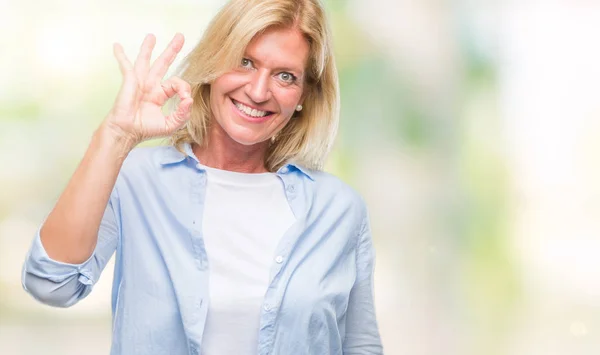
column 249, row 111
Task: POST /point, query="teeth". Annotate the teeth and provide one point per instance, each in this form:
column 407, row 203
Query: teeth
column 249, row 111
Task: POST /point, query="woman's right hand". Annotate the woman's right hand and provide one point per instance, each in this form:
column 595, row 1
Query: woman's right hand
column 137, row 112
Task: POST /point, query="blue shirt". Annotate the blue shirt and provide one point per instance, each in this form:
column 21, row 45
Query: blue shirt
column 320, row 295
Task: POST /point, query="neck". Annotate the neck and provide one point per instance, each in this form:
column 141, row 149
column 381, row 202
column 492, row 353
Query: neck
column 224, row 153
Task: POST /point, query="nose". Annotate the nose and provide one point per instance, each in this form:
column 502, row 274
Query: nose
column 258, row 87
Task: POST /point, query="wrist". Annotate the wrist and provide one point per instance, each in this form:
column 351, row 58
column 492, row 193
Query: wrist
column 115, row 139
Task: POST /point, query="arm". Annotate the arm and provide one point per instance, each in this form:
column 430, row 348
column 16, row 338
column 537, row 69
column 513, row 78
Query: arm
column 80, row 234
column 70, row 232
column 362, row 332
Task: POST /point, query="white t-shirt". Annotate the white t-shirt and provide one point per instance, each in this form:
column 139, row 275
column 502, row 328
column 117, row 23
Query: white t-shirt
column 245, row 216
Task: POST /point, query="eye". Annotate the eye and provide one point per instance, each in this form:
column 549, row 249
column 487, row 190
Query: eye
column 246, row 63
column 287, row 78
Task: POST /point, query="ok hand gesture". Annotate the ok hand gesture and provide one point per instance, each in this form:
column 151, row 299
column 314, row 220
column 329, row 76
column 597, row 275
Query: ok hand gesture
column 137, row 112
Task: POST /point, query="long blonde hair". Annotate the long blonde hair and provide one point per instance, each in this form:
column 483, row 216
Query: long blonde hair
column 308, row 137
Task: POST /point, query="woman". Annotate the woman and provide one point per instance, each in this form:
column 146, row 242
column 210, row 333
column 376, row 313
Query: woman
column 230, row 241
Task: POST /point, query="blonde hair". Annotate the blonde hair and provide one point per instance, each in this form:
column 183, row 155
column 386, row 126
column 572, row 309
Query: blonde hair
column 307, row 137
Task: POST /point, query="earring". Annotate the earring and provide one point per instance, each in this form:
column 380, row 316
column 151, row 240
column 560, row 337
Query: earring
column 299, row 108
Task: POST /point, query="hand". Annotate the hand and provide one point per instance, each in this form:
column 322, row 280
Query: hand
column 137, row 112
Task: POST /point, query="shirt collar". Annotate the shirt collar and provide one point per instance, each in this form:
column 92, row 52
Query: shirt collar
column 172, row 156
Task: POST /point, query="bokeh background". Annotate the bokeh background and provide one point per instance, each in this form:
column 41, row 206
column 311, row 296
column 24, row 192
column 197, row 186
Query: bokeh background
column 472, row 129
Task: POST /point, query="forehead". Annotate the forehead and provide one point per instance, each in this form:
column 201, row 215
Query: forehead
column 280, row 48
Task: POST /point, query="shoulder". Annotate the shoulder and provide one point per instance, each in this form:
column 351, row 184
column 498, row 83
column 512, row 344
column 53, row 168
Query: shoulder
column 149, row 157
column 147, row 162
column 332, row 188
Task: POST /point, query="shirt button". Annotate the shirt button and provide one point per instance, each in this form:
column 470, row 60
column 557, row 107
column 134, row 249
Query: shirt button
column 268, row 307
column 279, row 259
column 291, row 188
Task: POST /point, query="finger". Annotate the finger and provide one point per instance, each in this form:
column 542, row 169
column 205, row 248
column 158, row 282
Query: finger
column 181, row 115
column 127, row 95
column 175, row 85
column 142, row 62
column 124, row 64
column 163, row 62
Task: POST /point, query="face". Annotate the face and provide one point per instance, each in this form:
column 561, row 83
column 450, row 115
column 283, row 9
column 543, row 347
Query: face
column 252, row 102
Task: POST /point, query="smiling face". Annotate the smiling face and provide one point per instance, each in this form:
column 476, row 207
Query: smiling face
column 253, row 102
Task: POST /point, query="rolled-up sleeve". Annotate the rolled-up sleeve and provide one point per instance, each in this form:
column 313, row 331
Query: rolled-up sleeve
column 362, row 331
column 61, row 284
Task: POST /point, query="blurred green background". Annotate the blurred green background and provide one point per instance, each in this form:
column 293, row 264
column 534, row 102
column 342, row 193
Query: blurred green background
column 470, row 127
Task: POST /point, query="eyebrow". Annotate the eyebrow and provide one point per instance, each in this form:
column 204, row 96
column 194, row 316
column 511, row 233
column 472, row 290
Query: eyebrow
column 300, row 73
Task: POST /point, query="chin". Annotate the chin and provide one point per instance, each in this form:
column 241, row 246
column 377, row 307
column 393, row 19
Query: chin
column 245, row 136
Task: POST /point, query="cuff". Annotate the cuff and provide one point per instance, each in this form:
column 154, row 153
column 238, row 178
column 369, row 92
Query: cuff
column 40, row 264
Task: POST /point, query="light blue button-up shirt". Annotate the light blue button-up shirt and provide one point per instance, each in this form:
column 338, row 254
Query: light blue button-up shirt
column 319, row 299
